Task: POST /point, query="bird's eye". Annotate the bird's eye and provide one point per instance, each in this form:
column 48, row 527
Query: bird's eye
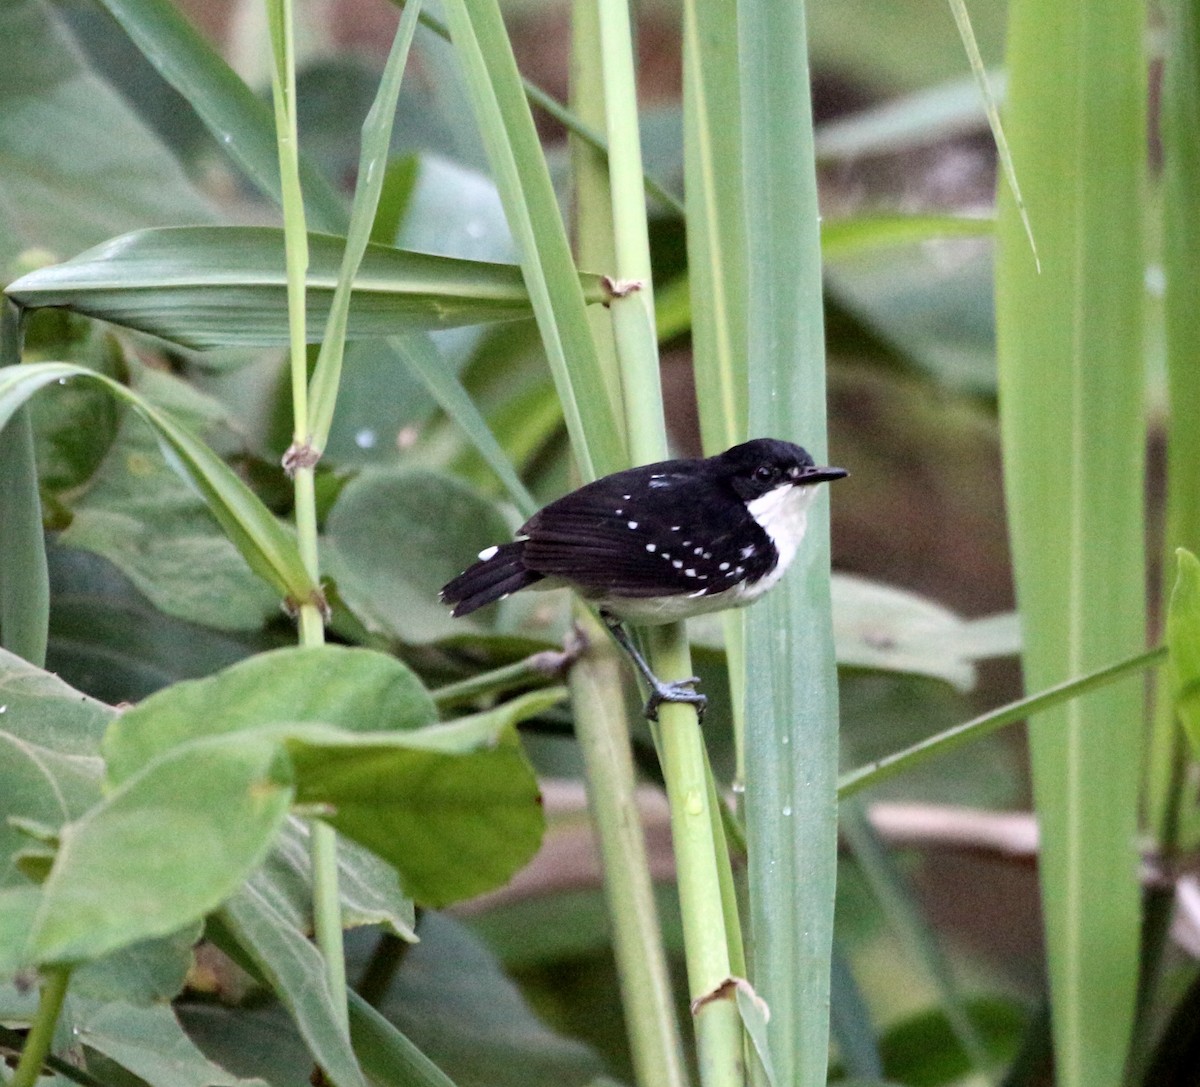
column 764, row 473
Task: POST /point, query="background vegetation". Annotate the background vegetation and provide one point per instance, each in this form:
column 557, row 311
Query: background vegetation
column 165, row 345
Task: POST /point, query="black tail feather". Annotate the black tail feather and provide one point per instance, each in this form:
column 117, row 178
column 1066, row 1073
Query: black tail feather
column 490, row 579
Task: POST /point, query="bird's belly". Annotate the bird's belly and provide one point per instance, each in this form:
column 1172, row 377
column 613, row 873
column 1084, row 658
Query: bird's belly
column 652, row 611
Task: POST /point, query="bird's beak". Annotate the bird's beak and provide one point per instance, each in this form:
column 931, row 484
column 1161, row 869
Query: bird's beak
column 817, row 474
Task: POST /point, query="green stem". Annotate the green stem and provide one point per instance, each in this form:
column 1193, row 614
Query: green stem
column 327, row 920
column 698, row 873
column 646, row 995
column 41, row 1033
column 890, row 765
column 537, row 668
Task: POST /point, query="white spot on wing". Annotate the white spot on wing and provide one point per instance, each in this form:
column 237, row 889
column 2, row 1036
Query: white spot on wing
column 488, row 553
column 651, row 548
column 632, row 524
column 677, row 564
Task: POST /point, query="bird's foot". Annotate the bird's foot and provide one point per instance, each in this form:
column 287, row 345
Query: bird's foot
column 679, row 690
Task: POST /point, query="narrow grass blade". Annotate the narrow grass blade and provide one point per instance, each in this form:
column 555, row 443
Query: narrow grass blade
column 372, row 168
column 519, row 168
column 420, row 354
column 873, row 773
column 1072, row 424
column 239, row 121
column 791, row 709
column 962, row 20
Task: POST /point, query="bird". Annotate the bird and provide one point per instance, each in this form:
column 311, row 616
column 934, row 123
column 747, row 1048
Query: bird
column 660, row 543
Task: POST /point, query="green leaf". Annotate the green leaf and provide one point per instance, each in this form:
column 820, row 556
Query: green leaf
column 79, row 165
column 455, row 808
column 43, row 786
column 227, row 286
column 450, row 978
column 355, row 689
column 140, row 515
column 107, row 639
column 266, row 545
column 38, row 707
column 295, row 971
column 165, row 848
column 883, row 627
column 792, row 705
column 150, row 1043
column 1183, row 640
column 238, row 119
column 1072, row 350
column 370, row 892
column 146, row 973
column 390, row 558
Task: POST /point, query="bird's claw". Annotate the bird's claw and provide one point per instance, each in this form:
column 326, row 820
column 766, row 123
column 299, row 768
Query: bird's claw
column 679, row 690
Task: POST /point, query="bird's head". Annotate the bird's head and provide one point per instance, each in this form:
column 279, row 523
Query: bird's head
column 757, row 467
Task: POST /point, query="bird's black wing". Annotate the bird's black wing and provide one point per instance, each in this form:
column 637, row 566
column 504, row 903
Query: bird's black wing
column 644, row 533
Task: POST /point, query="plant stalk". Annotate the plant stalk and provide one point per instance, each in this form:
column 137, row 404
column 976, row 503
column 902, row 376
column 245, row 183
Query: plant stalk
column 41, row 1032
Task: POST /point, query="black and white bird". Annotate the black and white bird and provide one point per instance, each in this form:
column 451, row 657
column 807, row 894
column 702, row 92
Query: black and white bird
column 660, row 543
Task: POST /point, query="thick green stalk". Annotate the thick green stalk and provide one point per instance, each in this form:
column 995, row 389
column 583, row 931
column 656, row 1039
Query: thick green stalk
column 718, row 1028
column 1072, row 424
column 602, row 731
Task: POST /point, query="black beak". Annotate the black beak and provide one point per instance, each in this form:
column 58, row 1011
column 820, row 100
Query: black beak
column 816, row 474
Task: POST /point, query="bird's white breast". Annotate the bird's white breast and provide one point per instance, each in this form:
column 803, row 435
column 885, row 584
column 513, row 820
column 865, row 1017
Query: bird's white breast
column 783, row 515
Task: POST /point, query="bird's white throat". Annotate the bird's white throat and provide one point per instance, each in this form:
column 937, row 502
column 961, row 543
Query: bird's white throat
column 783, row 515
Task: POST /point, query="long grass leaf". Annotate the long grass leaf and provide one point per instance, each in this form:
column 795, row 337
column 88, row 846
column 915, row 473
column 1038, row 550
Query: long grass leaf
column 791, row 708
column 1072, row 425
column 226, row 286
column 520, row 172
column 239, row 121
column 372, row 168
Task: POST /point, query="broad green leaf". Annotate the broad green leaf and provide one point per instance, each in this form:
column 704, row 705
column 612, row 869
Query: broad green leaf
column 41, row 785
column 79, row 165
column 369, row 889
column 457, row 815
column 264, row 542
column 140, row 515
column 295, row 971
column 1183, row 638
column 18, row 909
column 227, row 286
column 150, row 1043
column 108, row 640
column 162, row 850
column 387, row 1055
column 38, row 707
column 146, row 973
column 450, row 978
column 932, row 302
column 390, row 558
column 355, row 689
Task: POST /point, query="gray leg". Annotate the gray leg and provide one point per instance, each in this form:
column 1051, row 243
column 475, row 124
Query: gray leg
column 679, row 690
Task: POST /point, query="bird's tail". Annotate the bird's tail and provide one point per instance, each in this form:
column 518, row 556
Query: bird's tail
column 492, row 578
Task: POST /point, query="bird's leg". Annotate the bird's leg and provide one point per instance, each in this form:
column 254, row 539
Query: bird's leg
column 679, row 690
